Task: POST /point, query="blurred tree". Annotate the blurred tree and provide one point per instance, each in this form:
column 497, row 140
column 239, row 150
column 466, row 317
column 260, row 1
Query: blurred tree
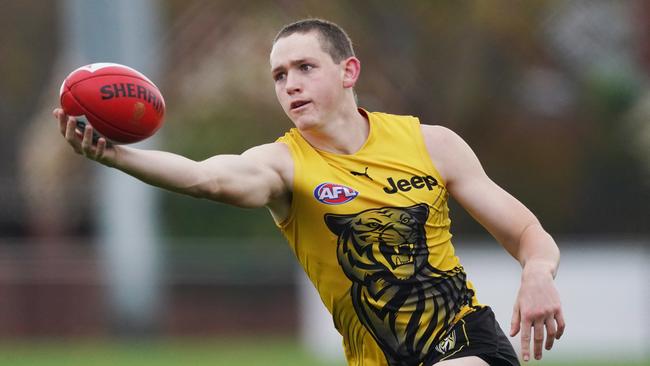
column 40, row 194
column 530, row 85
column 486, row 70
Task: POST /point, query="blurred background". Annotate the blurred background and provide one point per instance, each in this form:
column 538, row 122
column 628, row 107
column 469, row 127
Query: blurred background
column 97, row 268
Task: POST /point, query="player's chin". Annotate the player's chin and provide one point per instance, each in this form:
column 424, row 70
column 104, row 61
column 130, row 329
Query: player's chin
column 308, row 122
column 303, row 122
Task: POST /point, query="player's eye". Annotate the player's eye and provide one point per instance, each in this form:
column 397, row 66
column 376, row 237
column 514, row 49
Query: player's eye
column 306, row 67
column 279, row 76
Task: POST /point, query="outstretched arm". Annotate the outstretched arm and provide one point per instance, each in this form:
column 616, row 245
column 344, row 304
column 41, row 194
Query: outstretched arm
column 256, row 178
column 538, row 303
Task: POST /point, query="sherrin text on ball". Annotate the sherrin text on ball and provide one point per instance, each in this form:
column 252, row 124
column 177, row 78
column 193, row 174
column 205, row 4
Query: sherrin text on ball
column 121, row 103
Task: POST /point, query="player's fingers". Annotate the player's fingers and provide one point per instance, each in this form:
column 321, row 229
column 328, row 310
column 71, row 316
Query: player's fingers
column 62, row 126
column 538, row 338
column 64, row 117
column 70, row 134
column 101, row 147
column 58, row 112
column 87, row 142
column 560, row 324
column 550, row 332
column 525, row 340
column 515, row 322
column 63, row 120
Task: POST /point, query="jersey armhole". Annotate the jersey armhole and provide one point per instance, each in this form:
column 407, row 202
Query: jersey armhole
column 422, row 147
column 283, row 225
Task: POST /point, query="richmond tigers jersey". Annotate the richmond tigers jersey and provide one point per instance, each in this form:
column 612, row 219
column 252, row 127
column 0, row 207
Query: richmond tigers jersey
column 371, row 230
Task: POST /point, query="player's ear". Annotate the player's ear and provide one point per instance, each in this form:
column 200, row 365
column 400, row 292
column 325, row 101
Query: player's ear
column 351, row 71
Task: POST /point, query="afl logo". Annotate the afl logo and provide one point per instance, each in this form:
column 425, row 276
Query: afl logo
column 334, row 194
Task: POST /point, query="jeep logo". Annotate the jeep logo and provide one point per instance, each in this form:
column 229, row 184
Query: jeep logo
column 405, row 185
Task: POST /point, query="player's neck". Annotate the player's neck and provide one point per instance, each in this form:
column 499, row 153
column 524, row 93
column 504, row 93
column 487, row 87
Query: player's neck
column 343, row 133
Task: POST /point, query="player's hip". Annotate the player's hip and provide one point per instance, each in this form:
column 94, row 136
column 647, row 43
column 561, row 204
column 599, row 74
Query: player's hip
column 476, row 334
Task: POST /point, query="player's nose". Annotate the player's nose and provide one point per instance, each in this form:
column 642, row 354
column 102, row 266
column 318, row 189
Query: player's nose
column 293, row 84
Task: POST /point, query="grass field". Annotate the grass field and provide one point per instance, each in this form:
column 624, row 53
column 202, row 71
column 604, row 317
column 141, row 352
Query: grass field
column 263, row 351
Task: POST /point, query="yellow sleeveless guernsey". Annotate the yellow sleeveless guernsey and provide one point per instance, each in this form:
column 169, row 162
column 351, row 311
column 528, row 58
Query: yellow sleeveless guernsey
column 371, row 230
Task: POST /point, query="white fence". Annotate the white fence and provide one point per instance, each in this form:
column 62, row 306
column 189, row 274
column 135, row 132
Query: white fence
column 604, row 288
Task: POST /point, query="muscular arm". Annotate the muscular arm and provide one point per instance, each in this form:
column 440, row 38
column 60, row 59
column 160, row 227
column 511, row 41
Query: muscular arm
column 514, row 226
column 256, row 178
column 502, row 215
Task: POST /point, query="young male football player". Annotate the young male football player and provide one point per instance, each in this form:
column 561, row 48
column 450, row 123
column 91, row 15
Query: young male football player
column 362, row 199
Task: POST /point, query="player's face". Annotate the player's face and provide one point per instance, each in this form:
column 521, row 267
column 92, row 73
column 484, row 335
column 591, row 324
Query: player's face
column 308, row 83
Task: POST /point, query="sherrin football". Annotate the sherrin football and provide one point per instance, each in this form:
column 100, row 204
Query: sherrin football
column 121, row 104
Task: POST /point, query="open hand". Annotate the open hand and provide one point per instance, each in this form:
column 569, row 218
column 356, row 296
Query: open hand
column 82, row 141
column 537, row 307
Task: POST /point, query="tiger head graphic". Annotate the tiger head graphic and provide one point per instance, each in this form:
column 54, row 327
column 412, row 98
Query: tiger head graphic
column 403, row 301
column 389, row 242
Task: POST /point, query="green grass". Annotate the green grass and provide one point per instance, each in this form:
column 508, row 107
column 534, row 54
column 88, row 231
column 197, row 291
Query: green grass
column 208, row 352
column 157, row 353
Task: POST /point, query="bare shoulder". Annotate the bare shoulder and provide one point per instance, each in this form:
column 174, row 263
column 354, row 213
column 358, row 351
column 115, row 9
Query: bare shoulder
column 276, row 158
column 271, row 151
column 447, row 150
column 439, row 137
column 274, row 155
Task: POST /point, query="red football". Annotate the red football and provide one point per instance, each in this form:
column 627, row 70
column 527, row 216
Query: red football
column 119, row 102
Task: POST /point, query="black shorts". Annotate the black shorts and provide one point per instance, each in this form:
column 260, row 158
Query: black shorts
column 477, row 334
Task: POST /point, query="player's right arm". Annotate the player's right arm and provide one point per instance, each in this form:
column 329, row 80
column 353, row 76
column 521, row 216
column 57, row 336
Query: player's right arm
column 259, row 177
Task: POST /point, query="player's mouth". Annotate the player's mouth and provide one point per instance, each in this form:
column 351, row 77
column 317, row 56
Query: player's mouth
column 299, row 105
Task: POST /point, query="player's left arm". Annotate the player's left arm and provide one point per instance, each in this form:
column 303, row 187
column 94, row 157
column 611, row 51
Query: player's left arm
column 538, row 303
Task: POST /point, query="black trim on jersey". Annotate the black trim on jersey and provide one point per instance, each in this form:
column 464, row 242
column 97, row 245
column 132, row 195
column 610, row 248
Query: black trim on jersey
column 403, row 269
